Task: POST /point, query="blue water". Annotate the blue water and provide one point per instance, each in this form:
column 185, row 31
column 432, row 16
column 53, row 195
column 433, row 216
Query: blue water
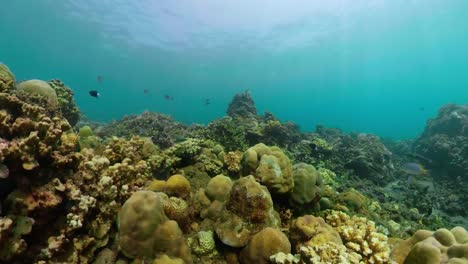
column 370, row 66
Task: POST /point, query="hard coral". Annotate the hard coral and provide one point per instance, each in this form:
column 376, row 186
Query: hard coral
column 441, row 246
column 7, row 79
column 178, row 185
column 145, row 232
column 262, row 245
column 242, row 105
column 312, row 231
column 42, row 89
column 203, row 243
column 31, row 138
column 360, row 235
column 66, row 102
column 161, row 129
column 307, row 184
column 249, row 209
column 270, row 166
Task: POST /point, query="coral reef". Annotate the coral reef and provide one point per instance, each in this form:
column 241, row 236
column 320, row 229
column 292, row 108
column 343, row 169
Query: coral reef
column 445, row 140
column 7, row 79
column 214, row 194
column 162, row 129
column 66, row 102
column 242, row 105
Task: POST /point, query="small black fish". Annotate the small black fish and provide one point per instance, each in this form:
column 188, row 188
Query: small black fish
column 99, row 79
column 168, row 97
column 94, row 93
column 207, row 101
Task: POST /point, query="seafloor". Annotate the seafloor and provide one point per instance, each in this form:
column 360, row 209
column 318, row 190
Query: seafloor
column 246, row 188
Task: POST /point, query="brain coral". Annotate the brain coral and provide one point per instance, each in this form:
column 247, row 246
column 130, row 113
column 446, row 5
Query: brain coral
column 264, row 244
column 307, row 183
column 441, row 246
column 270, row 166
column 145, row 231
column 40, row 88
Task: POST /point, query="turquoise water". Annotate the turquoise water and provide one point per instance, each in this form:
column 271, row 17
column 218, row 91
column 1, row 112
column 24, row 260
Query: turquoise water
column 370, row 66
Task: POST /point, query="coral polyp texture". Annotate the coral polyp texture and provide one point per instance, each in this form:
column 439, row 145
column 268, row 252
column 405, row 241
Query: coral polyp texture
column 244, row 189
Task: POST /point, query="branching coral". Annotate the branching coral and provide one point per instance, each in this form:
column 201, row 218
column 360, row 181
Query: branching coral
column 360, row 235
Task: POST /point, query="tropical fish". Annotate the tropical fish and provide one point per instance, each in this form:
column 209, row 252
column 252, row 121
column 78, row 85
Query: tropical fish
column 94, row 93
column 145, row 91
column 207, row 101
column 168, row 97
column 99, row 79
column 414, row 168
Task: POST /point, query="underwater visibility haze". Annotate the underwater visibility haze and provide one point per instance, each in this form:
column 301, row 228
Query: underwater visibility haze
column 379, row 67
column 233, row 132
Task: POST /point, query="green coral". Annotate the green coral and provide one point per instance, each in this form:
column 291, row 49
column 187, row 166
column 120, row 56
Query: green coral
column 321, row 144
column 203, row 243
column 228, row 132
column 66, row 102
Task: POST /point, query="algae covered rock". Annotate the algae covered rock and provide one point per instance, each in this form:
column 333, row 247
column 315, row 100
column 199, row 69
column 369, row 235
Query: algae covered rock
column 7, row 79
column 264, row 244
column 307, row 184
column 270, row 166
column 42, row 89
